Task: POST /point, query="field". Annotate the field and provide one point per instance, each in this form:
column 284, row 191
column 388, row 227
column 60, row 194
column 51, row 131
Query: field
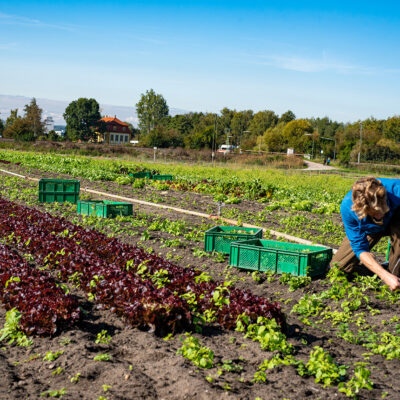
column 134, row 308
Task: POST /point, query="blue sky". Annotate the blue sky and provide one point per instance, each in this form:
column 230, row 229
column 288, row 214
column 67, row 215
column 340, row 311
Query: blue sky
column 337, row 59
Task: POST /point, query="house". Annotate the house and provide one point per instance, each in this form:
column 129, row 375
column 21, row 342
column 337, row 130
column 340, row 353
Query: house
column 117, row 132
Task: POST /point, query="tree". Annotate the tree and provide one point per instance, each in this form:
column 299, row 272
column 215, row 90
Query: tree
column 347, row 138
column 294, row 134
column 11, row 118
column 391, row 129
column 327, row 129
column 325, row 126
column 287, row 117
column 33, row 117
column 384, row 150
column 272, row 138
column 224, row 122
column 201, row 139
column 226, row 117
column 82, row 117
column 151, row 109
column 163, row 137
column 203, row 133
column 1, row 127
column 262, row 121
column 183, row 123
column 19, row 129
column 240, row 123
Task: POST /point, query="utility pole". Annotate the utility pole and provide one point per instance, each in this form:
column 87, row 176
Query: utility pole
column 214, row 146
column 334, row 152
column 359, row 153
column 313, row 143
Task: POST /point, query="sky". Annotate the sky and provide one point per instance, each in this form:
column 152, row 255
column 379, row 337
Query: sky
column 339, row 59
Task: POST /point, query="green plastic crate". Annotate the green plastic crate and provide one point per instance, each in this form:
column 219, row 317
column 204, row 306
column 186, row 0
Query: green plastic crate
column 104, row 209
column 219, row 238
column 162, row 177
column 143, row 174
column 279, row 257
column 59, row 190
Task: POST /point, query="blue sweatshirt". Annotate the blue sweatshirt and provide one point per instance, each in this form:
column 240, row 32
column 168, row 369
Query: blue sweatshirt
column 356, row 229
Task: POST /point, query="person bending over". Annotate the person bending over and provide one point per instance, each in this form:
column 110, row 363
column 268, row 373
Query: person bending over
column 370, row 211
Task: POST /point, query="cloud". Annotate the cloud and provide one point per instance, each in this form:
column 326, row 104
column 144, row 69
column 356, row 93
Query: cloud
column 303, row 64
column 9, row 19
column 132, row 119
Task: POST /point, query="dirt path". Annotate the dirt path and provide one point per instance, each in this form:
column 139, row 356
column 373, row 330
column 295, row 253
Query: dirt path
column 313, row 166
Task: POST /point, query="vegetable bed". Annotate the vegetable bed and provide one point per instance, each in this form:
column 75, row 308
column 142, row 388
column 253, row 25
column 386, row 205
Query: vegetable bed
column 341, row 338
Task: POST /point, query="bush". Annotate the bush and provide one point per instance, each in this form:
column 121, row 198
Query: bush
column 163, row 137
column 20, row 130
column 380, row 153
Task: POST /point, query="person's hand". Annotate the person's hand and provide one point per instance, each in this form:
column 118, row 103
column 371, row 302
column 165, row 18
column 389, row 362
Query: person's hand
column 392, row 281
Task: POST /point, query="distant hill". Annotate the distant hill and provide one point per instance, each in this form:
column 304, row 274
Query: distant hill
column 56, row 108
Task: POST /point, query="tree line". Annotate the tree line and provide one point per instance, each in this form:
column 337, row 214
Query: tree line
column 250, row 131
column 26, row 127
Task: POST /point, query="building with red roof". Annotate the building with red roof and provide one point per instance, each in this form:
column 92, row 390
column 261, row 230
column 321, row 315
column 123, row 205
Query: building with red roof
column 117, row 132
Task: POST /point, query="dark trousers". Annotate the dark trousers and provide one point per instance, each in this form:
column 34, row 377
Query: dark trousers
column 346, row 260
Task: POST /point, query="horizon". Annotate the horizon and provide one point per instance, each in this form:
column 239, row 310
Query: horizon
column 335, row 60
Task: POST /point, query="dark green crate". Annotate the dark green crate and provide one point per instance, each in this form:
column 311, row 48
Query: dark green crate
column 279, row 257
column 219, row 238
column 104, row 209
column 162, row 177
column 141, row 175
column 58, row 190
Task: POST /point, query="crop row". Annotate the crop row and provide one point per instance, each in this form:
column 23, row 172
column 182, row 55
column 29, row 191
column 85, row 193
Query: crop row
column 44, row 306
column 138, row 300
column 147, row 290
column 249, row 183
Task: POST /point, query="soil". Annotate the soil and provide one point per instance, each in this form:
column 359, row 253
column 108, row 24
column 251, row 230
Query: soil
column 144, row 366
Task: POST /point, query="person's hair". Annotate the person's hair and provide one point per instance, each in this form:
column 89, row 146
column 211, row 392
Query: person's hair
column 368, row 195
